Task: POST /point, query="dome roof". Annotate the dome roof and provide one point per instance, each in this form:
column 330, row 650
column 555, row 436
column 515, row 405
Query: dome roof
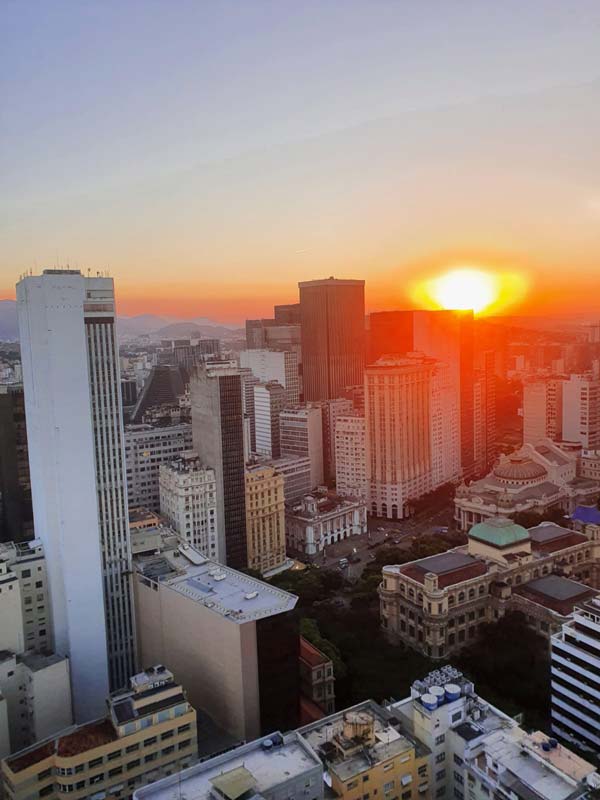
column 499, row 532
column 519, row 468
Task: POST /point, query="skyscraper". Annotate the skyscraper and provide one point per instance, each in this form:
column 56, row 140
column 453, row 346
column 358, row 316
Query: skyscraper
column 76, row 455
column 332, row 315
column 269, row 402
column 16, row 514
column 581, row 411
column 444, row 335
column 542, row 409
column 218, row 437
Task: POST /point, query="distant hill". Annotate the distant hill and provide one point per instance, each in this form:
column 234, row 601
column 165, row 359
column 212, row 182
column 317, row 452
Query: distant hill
column 187, row 330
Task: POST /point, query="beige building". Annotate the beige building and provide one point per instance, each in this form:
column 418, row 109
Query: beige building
column 188, row 501
column 321, row 519
column 437, row 604
column 229, row 638
column 265, row 519
column 317, row 682
column 351, row 456
column 542, row 409
column 581, row 411
column 25, row 624
column 149, row 732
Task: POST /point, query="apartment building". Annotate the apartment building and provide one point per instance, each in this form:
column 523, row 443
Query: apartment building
column 149, row 731
column 437, row 604
column 25, row 622
column 265, row 519
column 542, row 409
column 301, row 435
column 146, row 448
column 188, row 501
column 581, row 411
column 351, row 457
column 269, row 402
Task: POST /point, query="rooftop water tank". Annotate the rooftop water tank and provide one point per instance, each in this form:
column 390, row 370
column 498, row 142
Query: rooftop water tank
column 553, row 743
column 452, row 691
column 429, row 701
column 546, row 747
column 438, row 693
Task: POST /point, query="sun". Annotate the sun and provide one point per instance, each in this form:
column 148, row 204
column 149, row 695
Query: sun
column 464, row 289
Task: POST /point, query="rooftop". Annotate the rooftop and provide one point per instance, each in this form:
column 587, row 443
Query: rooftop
column 555, row 592
column 451, row 567
column 311, row 654
column 499, row 532
column 263, row 764
column 223, row 590
column 588, row 515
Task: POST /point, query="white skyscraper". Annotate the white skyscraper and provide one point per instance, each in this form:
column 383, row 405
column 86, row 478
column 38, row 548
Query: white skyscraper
column 275, row 365
column 581, row 411
column 351, row 456
column 269, row 402
column 75, row 436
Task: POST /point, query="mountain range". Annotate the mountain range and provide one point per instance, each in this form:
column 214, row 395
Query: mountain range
column 151, row 325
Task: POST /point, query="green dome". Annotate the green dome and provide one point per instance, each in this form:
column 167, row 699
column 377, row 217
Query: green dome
column 499, row 532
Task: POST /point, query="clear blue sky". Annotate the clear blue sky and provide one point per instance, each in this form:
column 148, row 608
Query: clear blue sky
column 260, row 142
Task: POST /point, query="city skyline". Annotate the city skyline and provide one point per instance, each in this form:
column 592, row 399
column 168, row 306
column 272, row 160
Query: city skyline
column 276, row 144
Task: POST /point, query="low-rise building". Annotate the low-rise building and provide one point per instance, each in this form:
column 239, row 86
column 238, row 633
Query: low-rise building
column 437, row 604
column 479, row 752
column 321, row 519
column 276, row 767
column 537, row 478
column 149, row 731
column 265, row 519
column 188, row 501
column 140, row 518
column 228, row 638
column 317, row 682
column 366, row 751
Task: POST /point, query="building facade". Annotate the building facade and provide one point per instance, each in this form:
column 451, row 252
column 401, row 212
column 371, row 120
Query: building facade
column 275, row 365
column 269, row 402
column 322, row 519
column 296, row 472
column 188, row 501
column 331, row 411
column 581, row 411
column 265, row 519
column 332, row 314
column 351, row 457
column 77, row 463
column 301, row 436
column 317, row 681
column 25, row 618
column 542, row 409
column 218, row 438
column 16, row 513
column 146, row 448
column 149, row 731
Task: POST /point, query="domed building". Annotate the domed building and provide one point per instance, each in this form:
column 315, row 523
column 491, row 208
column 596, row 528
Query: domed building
column 497, row 538
column 534, row 478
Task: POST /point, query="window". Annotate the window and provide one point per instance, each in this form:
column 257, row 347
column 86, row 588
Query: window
column 440, row 791
column 422, row 771
column 47, row 790
column 440, row 739
column 388, row 787
column 458, row 777
column 439, row 776
column 184, row 744
column 26, row 573
column 365, row 778
column 97, row 778
column 167, row 735
column 150, row 757
column 132, row 748
column 456, row 716
column 352, row 785
column 458, row 760
column 95, row 762
column 45, row 774
column 115, row 771
column 441, row 757
column 150, row 741
column 389, row 766
column 133, row 764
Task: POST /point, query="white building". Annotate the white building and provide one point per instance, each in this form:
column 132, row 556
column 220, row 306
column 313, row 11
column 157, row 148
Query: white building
column 25, row 621
column 269, row 402
column 581, row 411
column 321, row 519
column 575, row 677
column 275, row 365
column 301, row 434
column 479, row 752
column 542, row 409
column 188, row 500
column 296, row 471
column 351, row 456
column 146, row 448
column 76, row 455
column 331, row 410
column 412, row 427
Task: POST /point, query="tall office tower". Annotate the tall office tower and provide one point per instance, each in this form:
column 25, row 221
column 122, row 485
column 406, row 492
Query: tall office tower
column 275, row 365
column 164, row 386
column 265, row 519
column 218, row 436
column 333, row 336
column 269, row 402
column 330, row 411
column 188, row 501
column 16, row 513
column 77, row 464
column 301, row 434
column 484, row 413
column 249, row 381
column 412, row 431
column 542, row 409
column 288, row 314
column 581, row 411
column 444, row 335
column 351, row 456
column 146, row 448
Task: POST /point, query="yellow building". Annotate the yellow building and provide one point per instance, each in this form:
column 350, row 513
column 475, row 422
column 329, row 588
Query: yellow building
column 265, row 519
column 368, row 753
column 148, row 732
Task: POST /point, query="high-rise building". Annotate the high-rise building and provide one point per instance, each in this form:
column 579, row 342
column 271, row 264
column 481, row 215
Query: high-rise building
column 238, row 655
column 351, row 456
column 484, row 413
column 288, row 314
column 332, row 313
column 16, row 513
column 412, row 431
column 218, row 437
column 249, row 381
column 148, row 731
column 330, row 411
column 269, row 402
column 542, row 409
column 581, row 411
column 296, row 472
column 275, row 365
column 25, row 620
column 79, row 492
column 188, row 501
column 444, row 335
column 265, row 519
column 301, row 434
column 146, row 448
column 164, row 386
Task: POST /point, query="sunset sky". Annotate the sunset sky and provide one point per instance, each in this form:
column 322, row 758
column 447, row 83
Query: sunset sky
column 212, row 154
